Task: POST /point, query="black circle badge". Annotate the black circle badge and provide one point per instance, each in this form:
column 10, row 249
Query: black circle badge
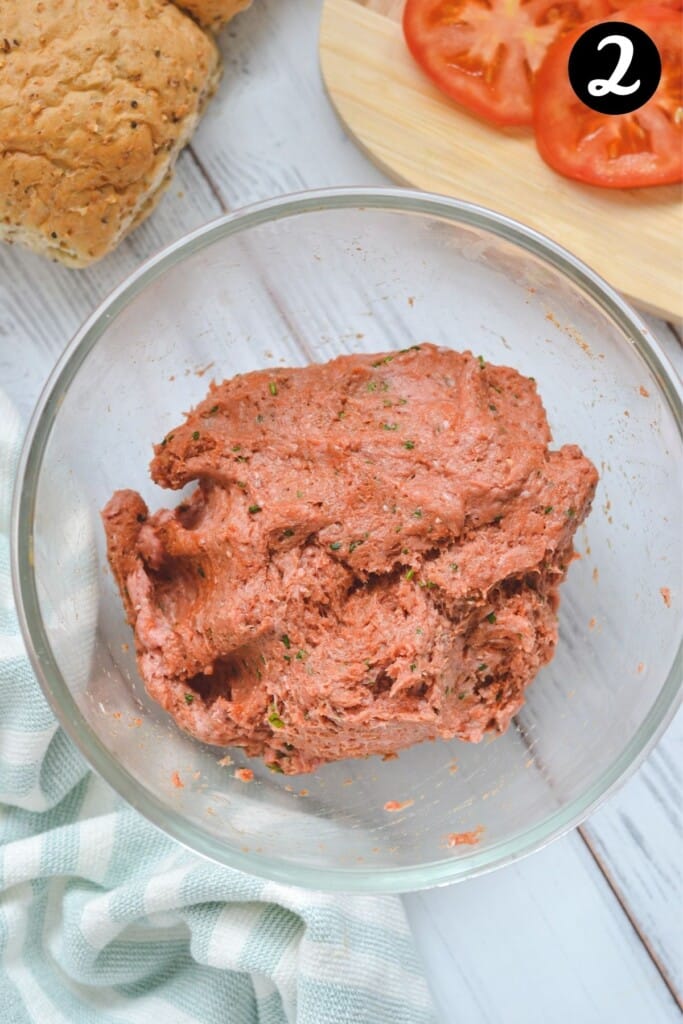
column 614, row 67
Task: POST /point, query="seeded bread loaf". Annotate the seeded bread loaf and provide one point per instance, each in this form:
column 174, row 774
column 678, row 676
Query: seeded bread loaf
column 213, row 13
column 97, row 98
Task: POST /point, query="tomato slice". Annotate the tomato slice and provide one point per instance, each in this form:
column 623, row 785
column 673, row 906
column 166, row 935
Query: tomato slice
column 622, row 5
column 615, row 150
column 485, row 53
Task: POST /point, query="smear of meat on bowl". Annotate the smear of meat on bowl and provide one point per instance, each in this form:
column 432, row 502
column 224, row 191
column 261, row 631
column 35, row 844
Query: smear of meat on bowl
column 371, row 557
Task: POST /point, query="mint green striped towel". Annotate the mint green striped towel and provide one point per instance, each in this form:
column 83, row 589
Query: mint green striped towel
column 104, row 920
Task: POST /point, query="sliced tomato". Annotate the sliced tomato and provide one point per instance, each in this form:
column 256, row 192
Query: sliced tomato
column 485, row 53
column 615, row 150
column 622, row 5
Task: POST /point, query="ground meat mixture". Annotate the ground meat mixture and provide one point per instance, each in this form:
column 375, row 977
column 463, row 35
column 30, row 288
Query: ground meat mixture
column 371, row 557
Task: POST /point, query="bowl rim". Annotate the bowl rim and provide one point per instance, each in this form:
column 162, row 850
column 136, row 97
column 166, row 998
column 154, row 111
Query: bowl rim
column 54, row 686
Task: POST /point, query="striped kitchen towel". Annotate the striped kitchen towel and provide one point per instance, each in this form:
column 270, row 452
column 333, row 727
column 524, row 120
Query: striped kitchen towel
column 104, row 920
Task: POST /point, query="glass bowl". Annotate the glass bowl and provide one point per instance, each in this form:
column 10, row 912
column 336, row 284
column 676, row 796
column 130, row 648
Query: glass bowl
column 302, row 279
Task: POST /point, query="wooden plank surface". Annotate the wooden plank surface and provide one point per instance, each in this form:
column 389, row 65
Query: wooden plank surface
column 419, row 137
column 636, row 841
column 43, row 304
column 573, row 933
column 542, row 942
column 271, row 129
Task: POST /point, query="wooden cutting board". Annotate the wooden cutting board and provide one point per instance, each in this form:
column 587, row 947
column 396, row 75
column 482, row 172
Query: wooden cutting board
column 633, row 238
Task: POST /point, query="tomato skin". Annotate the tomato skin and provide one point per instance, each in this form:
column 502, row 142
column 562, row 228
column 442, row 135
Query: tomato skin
column 624, row 5
column 622, row 150
column 485, row 53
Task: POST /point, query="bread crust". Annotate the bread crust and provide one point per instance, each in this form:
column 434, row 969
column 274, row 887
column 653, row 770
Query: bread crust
column 97, row 98
column 213, row 13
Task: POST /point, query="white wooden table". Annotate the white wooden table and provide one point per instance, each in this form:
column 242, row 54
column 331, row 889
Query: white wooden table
column 589, row 930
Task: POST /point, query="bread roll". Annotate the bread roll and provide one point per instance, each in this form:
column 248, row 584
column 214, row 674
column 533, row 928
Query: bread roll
column 97, row 98
column 213, row 13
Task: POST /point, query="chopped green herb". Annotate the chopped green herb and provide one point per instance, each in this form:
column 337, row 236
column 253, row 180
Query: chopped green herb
column 299, row 494
column 461, row 696
column 274, row 718
column 366, row 662
column 237, row 447
column 336, row 545
column 411, row 348
column 381, row 362
column 286, row 641
column 480, row 360
column 272, row 387
column 288, row 533
column 287, row 657
column 354, row 544
column 547, row 510
column 496, row 388
column 301, row 655
column 241, row 484
column 387, row 403
column 417, row 514
column 201, row 572
column 454, row 566
column 189, row 697
column 492, row 407
column 419, row 630
column 341, row 414
column 413, row 666
column 169, row 437
column 253, row 509
column 275, row 767
column 409, row 445
column 403, row 401
column 259, row 418
column 195, row 435
column 409, row 575
column 371, row 385
column 482, row 668
column 491, row 618
column 213, row 410
column 571, row 512
column 289, row 746
column 390, row 426
column 496, row 520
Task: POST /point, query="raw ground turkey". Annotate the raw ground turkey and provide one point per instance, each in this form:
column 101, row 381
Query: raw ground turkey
column 371, row 557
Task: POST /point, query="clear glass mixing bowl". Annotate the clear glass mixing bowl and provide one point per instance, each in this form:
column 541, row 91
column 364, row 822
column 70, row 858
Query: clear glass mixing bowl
column 303, row 279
